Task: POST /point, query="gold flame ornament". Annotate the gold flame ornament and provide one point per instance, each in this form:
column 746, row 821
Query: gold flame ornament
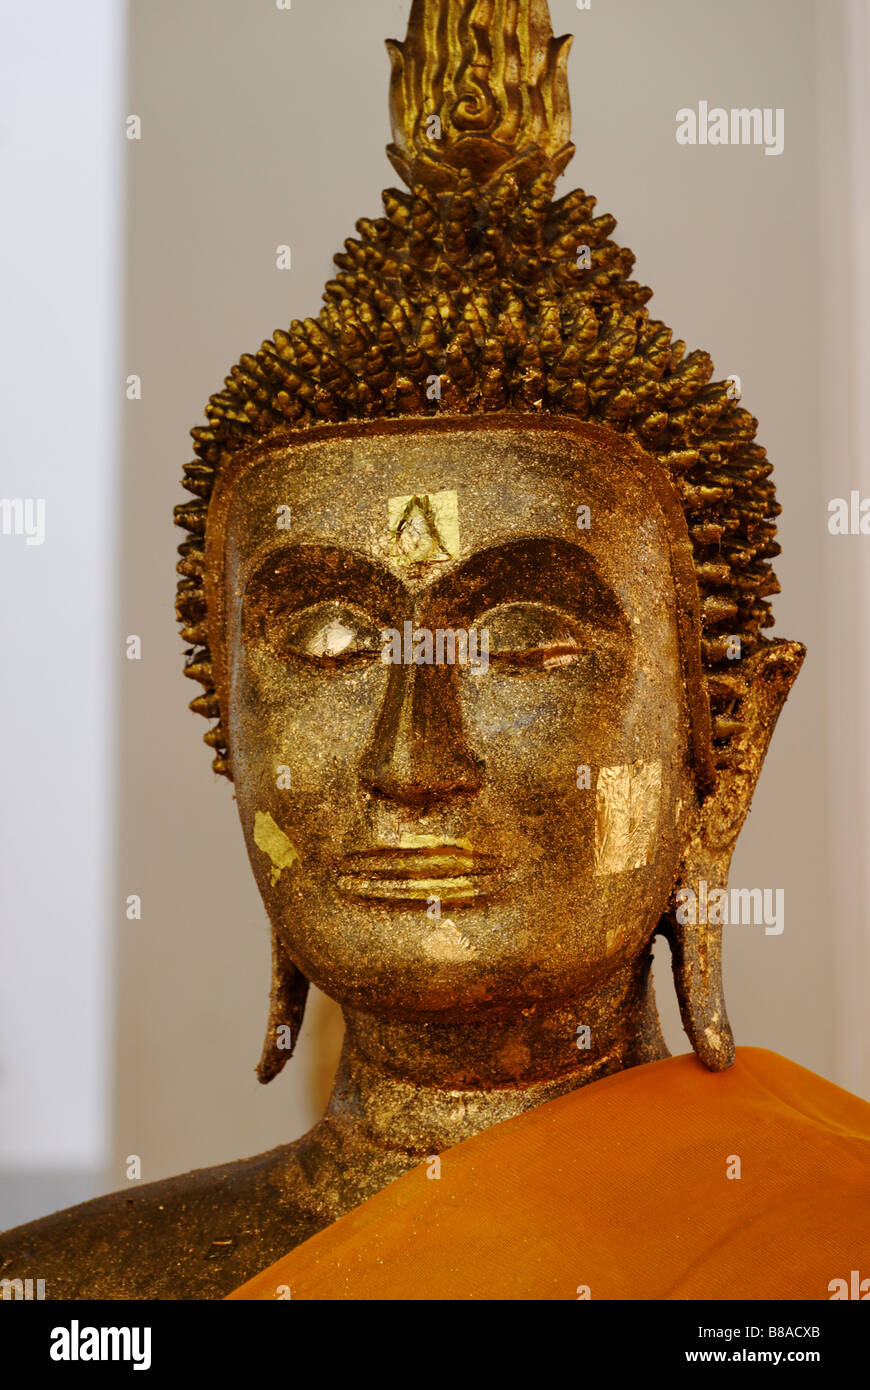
column 481, row 87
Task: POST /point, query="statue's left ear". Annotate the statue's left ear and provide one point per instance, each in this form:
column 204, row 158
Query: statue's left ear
column 286, row 1008
column 696, row 947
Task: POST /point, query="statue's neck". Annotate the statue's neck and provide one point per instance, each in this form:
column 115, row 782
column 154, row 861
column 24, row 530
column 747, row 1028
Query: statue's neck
column 415, row 1089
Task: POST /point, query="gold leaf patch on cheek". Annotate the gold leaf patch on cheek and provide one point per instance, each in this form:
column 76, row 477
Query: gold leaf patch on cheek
column 627, row 807
column 270, row 838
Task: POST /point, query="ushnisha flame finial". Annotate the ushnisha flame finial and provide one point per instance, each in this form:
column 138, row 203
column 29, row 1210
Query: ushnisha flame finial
column 479, row 85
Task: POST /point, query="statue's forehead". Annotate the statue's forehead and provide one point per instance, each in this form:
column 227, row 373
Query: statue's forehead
column 417, row 499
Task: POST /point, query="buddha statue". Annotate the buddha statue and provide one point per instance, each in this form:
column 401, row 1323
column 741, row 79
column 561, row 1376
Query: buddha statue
column 476, row 583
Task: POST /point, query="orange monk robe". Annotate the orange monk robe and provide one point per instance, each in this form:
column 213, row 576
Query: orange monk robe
column 662, row 1182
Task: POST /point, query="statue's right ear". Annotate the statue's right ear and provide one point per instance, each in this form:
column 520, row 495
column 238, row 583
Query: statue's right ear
column 286, row 1009
column 696, row 946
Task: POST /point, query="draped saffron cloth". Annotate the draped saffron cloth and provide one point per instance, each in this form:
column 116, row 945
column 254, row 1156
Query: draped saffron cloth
column 662, row 1182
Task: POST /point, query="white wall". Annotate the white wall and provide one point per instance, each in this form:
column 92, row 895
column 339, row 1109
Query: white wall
column 842, row 392
column 60, row 169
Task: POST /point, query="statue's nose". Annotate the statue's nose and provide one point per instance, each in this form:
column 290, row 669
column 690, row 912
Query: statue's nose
column 418, row 754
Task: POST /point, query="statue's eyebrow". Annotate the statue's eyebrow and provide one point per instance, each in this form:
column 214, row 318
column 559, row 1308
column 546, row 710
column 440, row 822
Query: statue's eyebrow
column 539, row 569
column 299, row 575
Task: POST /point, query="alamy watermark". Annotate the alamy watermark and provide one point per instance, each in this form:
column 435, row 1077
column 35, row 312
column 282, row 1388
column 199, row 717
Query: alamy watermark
column 77, row 1343
column 21, row 1290
column 849, row 516
column 449, row 646
column 23, row 516
column 722, row 907
column 742, row 125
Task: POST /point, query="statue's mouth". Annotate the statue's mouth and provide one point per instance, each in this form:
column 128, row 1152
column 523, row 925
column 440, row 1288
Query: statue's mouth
column 445, row 872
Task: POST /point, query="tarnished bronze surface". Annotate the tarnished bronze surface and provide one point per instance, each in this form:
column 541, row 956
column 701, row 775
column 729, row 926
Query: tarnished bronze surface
column 482, row 434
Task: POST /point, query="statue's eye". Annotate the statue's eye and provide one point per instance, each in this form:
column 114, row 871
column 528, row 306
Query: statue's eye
column 328, row 635
column 533, row 636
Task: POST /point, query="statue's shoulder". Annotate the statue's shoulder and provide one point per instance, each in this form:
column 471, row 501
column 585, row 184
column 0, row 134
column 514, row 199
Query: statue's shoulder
column 199, row 1235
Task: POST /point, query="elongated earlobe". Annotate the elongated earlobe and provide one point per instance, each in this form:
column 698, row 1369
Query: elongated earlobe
column 286, row 1010
column 696, row 960
column 695, row 942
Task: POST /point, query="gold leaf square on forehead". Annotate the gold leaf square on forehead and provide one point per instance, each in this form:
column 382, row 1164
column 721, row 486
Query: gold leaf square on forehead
column 424, row 527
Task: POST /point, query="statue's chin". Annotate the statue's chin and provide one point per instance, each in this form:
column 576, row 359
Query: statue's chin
column 552, row 938
column 442, row 971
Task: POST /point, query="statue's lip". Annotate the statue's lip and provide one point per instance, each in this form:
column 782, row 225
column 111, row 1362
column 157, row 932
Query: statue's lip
column 388, row 862
column 444, row 871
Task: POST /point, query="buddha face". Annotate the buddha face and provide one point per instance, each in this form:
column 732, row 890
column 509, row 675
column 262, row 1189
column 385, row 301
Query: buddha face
column 451, row 674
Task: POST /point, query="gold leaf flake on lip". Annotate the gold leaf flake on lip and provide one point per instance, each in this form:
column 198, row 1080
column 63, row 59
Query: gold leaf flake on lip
column 462, row 889
column 270, row 838
column 419, row 867
column 407, row 840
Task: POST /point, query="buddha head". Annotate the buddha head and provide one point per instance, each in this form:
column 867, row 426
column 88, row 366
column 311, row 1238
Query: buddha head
column 477, row 586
